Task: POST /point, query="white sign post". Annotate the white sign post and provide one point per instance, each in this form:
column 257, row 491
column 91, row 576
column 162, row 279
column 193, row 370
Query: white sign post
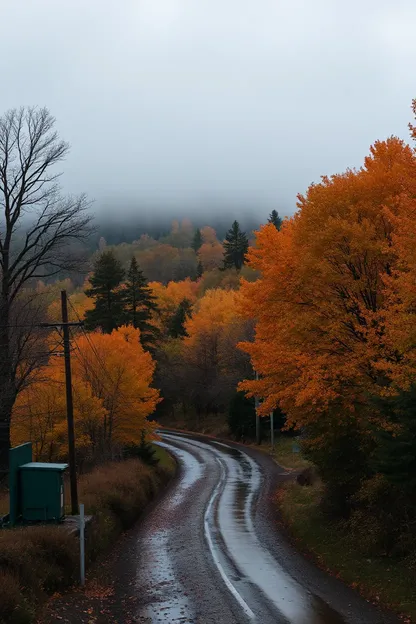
column 82, row 543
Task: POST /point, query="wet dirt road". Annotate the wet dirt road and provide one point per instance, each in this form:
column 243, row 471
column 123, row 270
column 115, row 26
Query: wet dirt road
column 210, row 551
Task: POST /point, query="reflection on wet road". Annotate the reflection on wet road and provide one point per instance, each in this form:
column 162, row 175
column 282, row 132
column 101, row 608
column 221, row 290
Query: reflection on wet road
column 169, row 602
column 257, row 575
column 242, row 580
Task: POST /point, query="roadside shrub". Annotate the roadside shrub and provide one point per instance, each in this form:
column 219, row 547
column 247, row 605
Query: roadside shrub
column 120, row 489
column 242, row 417
column 116, row 494
column 307, row 477
column 34, row 561
column 145, row 451
column 383, row 520
column 18, row 557
column 341, row 456
column 58, row 549
column 13, row 609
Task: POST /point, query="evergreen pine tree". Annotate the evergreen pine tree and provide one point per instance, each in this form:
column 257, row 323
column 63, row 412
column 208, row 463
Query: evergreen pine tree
column 177, row 322
column 144, row 451
column 235, row 247
column 139, row 303
column 105, row 281
column 395, row 454
column 242, row 417
column 275, row 219
column 197, row 241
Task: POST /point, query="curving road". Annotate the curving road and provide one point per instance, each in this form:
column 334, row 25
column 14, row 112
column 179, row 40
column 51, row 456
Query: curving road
column 210, row 551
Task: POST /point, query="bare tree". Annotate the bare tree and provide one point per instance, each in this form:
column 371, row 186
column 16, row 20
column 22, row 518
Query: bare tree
column 38, row 227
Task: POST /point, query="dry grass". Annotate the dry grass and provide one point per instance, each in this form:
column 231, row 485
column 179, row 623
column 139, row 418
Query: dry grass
column 13, row 607
column 116, row 495
column 4, row 502
column 34, row 562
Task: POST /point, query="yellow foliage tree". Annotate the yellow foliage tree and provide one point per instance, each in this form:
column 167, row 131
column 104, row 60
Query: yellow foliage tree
column 169, row 297
column 39, row 414
column 120, row 373
column 112, row 395
column 213, row 363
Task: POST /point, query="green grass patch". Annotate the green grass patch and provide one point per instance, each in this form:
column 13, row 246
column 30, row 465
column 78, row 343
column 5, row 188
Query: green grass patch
column 380, row 579
column 286, row 456
column 284, row 453
column 166, row 460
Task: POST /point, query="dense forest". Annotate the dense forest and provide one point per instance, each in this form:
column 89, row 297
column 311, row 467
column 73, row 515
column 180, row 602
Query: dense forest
column 174, row 302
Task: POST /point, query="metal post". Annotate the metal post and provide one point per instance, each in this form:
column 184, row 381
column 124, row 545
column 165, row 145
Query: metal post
column 256, row 404
column 69, row 406
column 82, row 544
column 272, row 429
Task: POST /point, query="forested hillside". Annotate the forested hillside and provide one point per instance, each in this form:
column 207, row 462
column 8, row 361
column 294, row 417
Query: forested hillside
column 160, row 334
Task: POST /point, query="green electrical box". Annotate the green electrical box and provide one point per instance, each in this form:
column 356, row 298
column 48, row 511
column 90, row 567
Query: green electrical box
column 42, row 492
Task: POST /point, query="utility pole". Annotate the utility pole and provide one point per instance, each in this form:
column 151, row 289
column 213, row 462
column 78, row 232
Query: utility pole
column 256, row 405
column 69, row 406
column 65, row 325
column 272, row 429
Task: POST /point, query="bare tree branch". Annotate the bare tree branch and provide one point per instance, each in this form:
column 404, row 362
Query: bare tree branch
column 38, row 231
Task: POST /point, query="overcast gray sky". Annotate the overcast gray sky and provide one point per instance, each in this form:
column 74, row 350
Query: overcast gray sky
column 179, row 101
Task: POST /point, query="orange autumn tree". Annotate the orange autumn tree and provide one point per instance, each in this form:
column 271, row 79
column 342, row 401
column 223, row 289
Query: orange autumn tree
column 112, row 394
column 211, row 255
column 208, row 234
column 120, row 373
column 79, row 303
column 326, row 335
column 39, row 414
column 212, row 363
column 211, row 252
column 169, row 297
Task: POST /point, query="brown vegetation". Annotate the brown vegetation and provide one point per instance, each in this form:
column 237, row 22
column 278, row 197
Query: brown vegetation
column 38, row 561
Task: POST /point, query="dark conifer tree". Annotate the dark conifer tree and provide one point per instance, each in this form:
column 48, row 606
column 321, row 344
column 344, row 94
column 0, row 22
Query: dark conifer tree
column 108, row 311
column 197, row 241
column 177, row 322
column 235, row 247
column 139, row 303
column 395, row 453
column 144, row 451
column 275, row 219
